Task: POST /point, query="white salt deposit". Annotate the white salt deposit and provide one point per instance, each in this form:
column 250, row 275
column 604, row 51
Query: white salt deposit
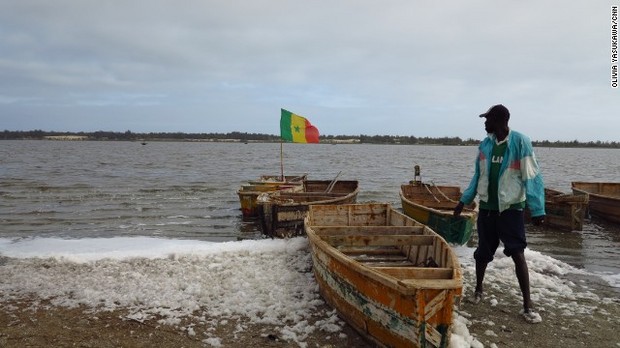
column 263, row 281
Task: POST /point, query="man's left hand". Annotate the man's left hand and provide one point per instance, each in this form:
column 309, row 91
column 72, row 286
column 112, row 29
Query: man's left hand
column 538, row 220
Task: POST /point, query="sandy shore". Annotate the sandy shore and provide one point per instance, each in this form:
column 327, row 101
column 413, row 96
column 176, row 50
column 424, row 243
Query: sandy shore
column 494, row 322
column 593, row 322
column 578, row 310
column 21, row 325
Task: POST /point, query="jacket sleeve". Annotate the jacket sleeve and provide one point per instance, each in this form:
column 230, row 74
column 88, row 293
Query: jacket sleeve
column 532, row 180
column 470, row 192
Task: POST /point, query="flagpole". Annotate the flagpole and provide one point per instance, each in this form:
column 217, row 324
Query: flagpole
column 281, row 161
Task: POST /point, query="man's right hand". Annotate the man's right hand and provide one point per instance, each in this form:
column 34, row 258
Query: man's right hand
column 458, row 209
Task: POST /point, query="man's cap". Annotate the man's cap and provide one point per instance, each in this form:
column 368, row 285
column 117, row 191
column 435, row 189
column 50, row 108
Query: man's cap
column 498, row 110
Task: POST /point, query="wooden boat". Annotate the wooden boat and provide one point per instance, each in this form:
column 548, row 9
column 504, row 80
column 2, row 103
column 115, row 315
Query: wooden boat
column 434, row 205
column 391, row 278
column 603, row 198
column 282, row 212
column 563, row 210
column 266, row 183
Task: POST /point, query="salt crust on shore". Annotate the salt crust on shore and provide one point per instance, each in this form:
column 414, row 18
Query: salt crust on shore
column 264, row 281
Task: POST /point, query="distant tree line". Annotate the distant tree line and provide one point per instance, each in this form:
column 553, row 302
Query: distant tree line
column 257, row 137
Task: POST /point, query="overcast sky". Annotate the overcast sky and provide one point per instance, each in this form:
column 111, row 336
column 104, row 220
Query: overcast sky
column 422, row 68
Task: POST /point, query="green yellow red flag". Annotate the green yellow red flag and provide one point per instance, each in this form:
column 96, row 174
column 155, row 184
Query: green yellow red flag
column 297, row 129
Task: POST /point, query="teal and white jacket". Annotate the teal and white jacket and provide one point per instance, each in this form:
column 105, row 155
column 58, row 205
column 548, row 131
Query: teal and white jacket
column 519, row 177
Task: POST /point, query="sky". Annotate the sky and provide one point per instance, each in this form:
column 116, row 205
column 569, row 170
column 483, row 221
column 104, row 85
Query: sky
column 421, row 68
column 174, row 279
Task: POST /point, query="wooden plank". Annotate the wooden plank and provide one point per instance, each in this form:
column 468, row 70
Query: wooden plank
column 418, row 272
column 432, row 335
column 367, row 230
column 439, row 251
column 394, row 264
column 421, row 254
column 380, row 258
column 445, row 258
column 386, row 250
column 347, row 215
column 380, row 240
column 435, row 305
column 431, row 283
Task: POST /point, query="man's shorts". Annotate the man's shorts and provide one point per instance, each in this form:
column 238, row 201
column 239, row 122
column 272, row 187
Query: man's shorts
column 494, row 227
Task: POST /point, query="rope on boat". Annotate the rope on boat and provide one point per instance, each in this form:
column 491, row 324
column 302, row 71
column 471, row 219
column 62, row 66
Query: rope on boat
column 331, row 185
column 418, row 180
column 443, row 194
column 431, row 192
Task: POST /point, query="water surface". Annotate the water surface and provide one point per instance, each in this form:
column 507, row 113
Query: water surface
column 187, row 190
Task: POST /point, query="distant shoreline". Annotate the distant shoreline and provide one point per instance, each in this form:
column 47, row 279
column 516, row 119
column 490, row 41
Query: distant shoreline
column 239, row 137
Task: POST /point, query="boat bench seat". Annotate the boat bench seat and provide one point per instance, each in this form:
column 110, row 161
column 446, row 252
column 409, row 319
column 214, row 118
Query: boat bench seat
column 380, row 240
column 418, row 273
column 367, row 230
column 441, row 284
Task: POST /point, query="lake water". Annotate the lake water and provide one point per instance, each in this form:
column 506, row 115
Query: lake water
column 187, row 190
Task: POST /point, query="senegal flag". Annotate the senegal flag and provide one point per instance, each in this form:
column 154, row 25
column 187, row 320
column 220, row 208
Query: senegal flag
column 296, row 129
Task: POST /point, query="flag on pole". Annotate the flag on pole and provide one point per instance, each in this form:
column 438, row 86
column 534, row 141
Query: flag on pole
column 296, row 129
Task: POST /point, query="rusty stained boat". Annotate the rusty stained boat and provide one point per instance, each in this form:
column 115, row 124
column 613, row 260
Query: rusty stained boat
column 564, row 211
column 249, row 192
column 603, row 198
column 391, row 278
column 282, row 212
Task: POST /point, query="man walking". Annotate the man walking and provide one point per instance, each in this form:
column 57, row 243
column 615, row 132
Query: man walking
column 506, row 178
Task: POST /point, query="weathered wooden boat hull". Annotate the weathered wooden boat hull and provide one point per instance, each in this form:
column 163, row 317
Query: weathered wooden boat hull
column 391, row 278
column 563, row 210
column 248, row 193
column 282, row 213
column 248, row 196
column 603, row 198
column 434, row 206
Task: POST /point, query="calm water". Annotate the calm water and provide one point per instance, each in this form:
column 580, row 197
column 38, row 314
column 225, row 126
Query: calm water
column 188, row 190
